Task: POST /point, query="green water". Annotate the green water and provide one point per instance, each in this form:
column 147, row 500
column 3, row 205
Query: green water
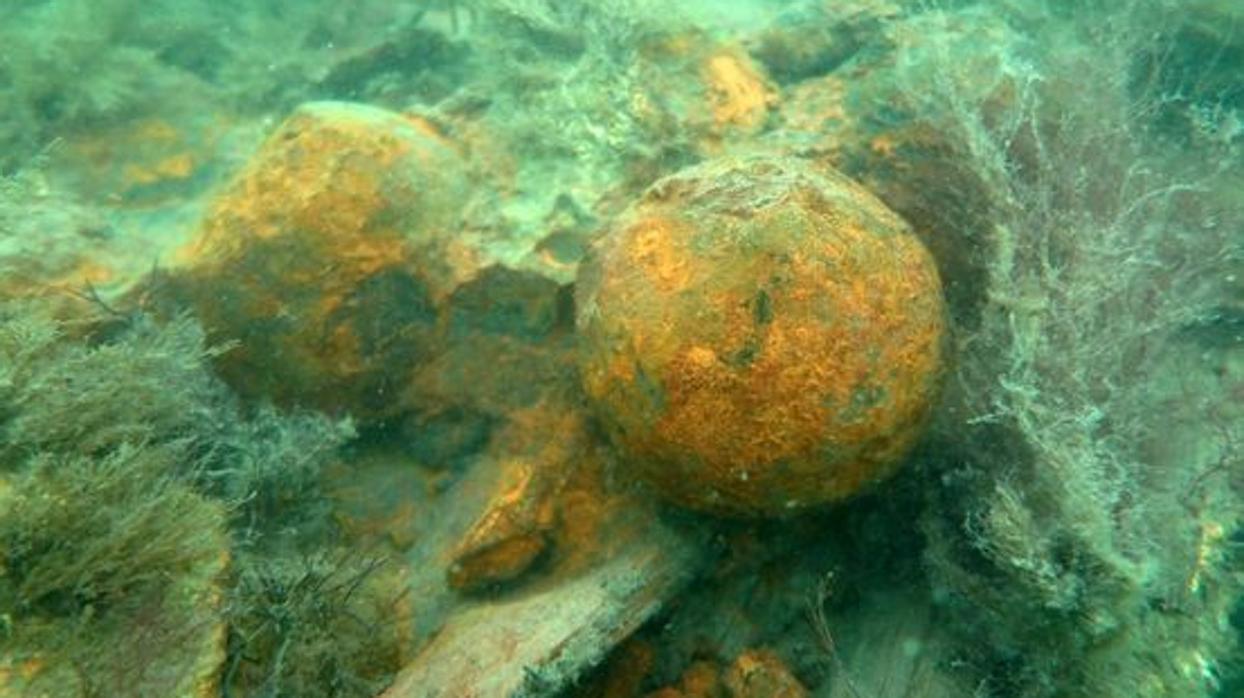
column 290, row 349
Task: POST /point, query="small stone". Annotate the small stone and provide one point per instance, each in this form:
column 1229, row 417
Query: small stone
column 509, row 537
column 739, row 93
column 760, row 673
column 702, row 680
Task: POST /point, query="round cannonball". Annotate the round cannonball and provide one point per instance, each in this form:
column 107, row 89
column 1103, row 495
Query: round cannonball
column 323, row 258
column 759, row 336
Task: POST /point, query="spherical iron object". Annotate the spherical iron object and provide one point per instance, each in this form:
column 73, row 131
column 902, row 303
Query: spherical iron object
column 759, row 336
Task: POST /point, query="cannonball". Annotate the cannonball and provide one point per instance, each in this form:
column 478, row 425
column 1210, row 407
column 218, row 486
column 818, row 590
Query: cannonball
column 759, row 336
column 323, row 259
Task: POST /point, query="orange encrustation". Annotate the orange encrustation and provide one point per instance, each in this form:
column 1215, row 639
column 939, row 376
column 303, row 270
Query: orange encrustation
column 760, row 336
column 322, row 258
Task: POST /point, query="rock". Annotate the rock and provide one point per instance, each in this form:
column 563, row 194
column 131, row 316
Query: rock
column 701, row 680
column 148, row 161
column 533, row 564
column 512, row 533
column 739, row 93
column 551, row 502
column 809, row 40
column 760, row 337
column 762, row 674
column 57, row 249
column 327, row 257
column 378, row 497
column 709, row 93
column 624, row 673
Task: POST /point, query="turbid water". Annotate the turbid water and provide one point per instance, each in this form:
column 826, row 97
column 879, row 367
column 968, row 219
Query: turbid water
column 748, row 348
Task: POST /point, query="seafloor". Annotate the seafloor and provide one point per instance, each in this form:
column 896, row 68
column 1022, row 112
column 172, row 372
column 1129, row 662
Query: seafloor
column 735, row 349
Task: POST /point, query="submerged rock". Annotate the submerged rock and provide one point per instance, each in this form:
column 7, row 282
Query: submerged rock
column 760, row 673
column 326, row 257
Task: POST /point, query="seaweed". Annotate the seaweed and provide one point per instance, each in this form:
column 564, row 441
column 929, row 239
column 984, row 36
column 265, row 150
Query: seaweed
column 1063, row 532
column 318, row 624
column 270, row 466
column 129, row 477
column 147, row 385
column 67, row 66
column 84, row 532
column 108, row 552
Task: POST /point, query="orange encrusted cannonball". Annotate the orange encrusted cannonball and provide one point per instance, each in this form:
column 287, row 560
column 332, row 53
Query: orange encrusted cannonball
column 324, row 257
column 759, row 336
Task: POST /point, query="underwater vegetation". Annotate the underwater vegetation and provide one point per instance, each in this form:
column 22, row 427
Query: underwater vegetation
column 1053, row 532
column 364, row 276
column 145, row 532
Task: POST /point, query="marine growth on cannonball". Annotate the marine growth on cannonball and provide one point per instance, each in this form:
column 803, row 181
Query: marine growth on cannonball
column 760, row 336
